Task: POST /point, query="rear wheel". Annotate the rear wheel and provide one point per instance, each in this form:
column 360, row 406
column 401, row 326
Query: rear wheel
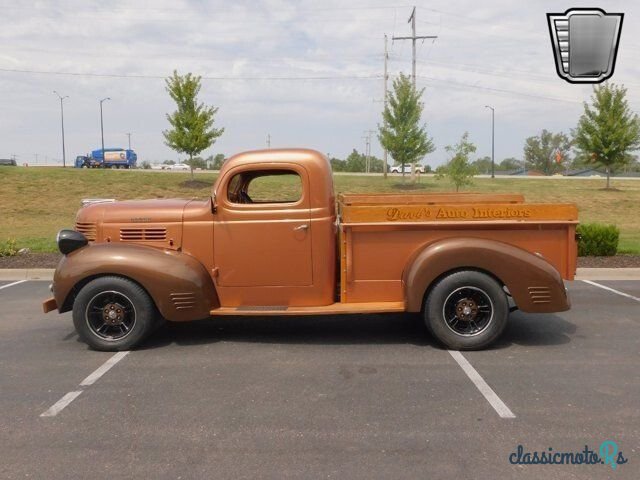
column 113, row 313
column 466, row 310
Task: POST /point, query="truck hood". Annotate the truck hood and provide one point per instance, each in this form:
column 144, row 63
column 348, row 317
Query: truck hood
column 133, row 211
column 155, row 223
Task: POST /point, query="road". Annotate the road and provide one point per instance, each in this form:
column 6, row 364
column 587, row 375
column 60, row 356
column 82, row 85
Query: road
column 360, row 397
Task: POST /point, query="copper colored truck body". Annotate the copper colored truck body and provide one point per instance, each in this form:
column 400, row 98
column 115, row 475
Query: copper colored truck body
column 231, row 254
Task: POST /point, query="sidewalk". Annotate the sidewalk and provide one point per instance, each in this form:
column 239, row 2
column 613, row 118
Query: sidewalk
column 582, row 274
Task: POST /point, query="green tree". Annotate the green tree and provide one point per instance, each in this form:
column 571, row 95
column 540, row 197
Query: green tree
column 169, row 162
column 608, row 131
column 482, row 165
column 547, row 152
column 458, row 169
column 401, row 133
column 337, row 165
column 192, row 129
column 218, row 161
column 355, row 162
column 145, row 165
column 510, row 163
column 196, row 162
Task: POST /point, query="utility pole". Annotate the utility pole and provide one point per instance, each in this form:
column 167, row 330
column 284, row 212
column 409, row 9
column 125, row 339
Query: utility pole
column 129, row 135
column 367, row 149
column 64, row 162
column 493, row 112
column 386, row 77
column 102, row 126
column 413, row 39
column 268, row 140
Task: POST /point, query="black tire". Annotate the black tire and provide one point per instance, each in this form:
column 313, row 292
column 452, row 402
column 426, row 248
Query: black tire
column 113, row 313
column 466, row 310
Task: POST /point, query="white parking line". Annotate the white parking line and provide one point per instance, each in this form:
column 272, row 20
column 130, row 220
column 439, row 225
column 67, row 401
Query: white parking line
column 12, row 284
column 57, row 407
column 494, row 400
column 60, row 404
column 604, row 287
column 102, row 369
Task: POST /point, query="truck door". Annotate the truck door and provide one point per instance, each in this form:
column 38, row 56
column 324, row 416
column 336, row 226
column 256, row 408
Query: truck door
column 262, row 227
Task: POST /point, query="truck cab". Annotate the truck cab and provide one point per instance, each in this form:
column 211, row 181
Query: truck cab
column 272, row 239
column 290, row 232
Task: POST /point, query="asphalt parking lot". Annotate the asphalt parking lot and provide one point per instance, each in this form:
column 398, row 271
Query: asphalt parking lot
column 368, row 396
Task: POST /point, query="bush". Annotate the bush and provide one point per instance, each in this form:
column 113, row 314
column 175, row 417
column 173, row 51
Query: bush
column 8, row 248
column 597, row 239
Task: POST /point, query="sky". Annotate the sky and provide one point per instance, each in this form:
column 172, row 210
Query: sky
column 306, row 73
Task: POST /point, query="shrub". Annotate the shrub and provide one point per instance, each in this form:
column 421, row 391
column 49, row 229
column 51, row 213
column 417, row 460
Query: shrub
column 597, row 239
column 8, row 248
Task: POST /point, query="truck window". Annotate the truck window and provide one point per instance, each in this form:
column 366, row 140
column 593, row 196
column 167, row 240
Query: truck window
column 269, row 186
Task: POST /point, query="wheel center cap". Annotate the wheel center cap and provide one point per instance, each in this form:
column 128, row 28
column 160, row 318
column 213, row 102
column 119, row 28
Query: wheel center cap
column 112, row 315
column 467, row 310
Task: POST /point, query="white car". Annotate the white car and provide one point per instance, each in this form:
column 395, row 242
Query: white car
column 407, row 168
column 182, row 167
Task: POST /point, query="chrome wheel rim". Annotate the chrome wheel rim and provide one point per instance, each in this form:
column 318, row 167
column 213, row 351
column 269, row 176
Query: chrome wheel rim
column 110, row 315
column 468, row 311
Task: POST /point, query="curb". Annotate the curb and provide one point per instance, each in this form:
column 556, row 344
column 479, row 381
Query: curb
column 608, row 274
column 582, row 274
column 26, row 273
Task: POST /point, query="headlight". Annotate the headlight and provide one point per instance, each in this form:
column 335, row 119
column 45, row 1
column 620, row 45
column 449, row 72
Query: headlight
column 70, row 240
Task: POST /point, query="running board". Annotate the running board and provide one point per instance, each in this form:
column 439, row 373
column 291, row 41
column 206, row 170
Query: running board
column 334, row 309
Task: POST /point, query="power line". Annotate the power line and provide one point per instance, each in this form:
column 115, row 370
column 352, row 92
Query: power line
column 499, row 90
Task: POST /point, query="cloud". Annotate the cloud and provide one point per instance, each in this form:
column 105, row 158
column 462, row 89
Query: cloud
column 495, row 53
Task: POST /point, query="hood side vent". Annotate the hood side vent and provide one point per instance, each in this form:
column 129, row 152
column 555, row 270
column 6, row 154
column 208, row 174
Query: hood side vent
column 88, row 229
column 143, row 234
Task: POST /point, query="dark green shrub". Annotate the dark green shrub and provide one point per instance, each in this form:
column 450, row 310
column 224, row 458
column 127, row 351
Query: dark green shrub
column 597, row 239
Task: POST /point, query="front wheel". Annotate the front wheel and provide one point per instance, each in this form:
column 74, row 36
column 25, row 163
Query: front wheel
column 466, row 310
column 113, row 313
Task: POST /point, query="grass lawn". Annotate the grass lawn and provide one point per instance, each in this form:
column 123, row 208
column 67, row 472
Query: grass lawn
column 37, row 202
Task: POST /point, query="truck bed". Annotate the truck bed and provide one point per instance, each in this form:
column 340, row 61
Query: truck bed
column 390, row 228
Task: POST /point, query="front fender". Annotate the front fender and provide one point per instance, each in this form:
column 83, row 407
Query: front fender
column 534, row 284
column 178, row 283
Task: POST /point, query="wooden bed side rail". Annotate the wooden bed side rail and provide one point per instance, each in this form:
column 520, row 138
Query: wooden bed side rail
column 460, row 212
column 426, row 198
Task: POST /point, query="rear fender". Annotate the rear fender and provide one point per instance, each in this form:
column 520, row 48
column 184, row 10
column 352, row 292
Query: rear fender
column 178, row 283
column 534, row 284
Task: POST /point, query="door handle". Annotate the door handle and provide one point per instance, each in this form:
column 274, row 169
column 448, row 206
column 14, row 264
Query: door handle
column 301, row 227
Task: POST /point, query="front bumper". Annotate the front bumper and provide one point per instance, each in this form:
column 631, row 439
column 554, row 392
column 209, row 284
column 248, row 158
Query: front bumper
column 49, row 305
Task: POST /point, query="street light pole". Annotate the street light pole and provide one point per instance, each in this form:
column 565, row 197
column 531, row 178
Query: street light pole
column 102, row 126
column 64, row 159
column 493, row 112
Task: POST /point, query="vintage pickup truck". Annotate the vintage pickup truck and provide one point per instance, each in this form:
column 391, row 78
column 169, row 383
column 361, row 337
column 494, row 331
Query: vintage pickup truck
column 271, row 240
